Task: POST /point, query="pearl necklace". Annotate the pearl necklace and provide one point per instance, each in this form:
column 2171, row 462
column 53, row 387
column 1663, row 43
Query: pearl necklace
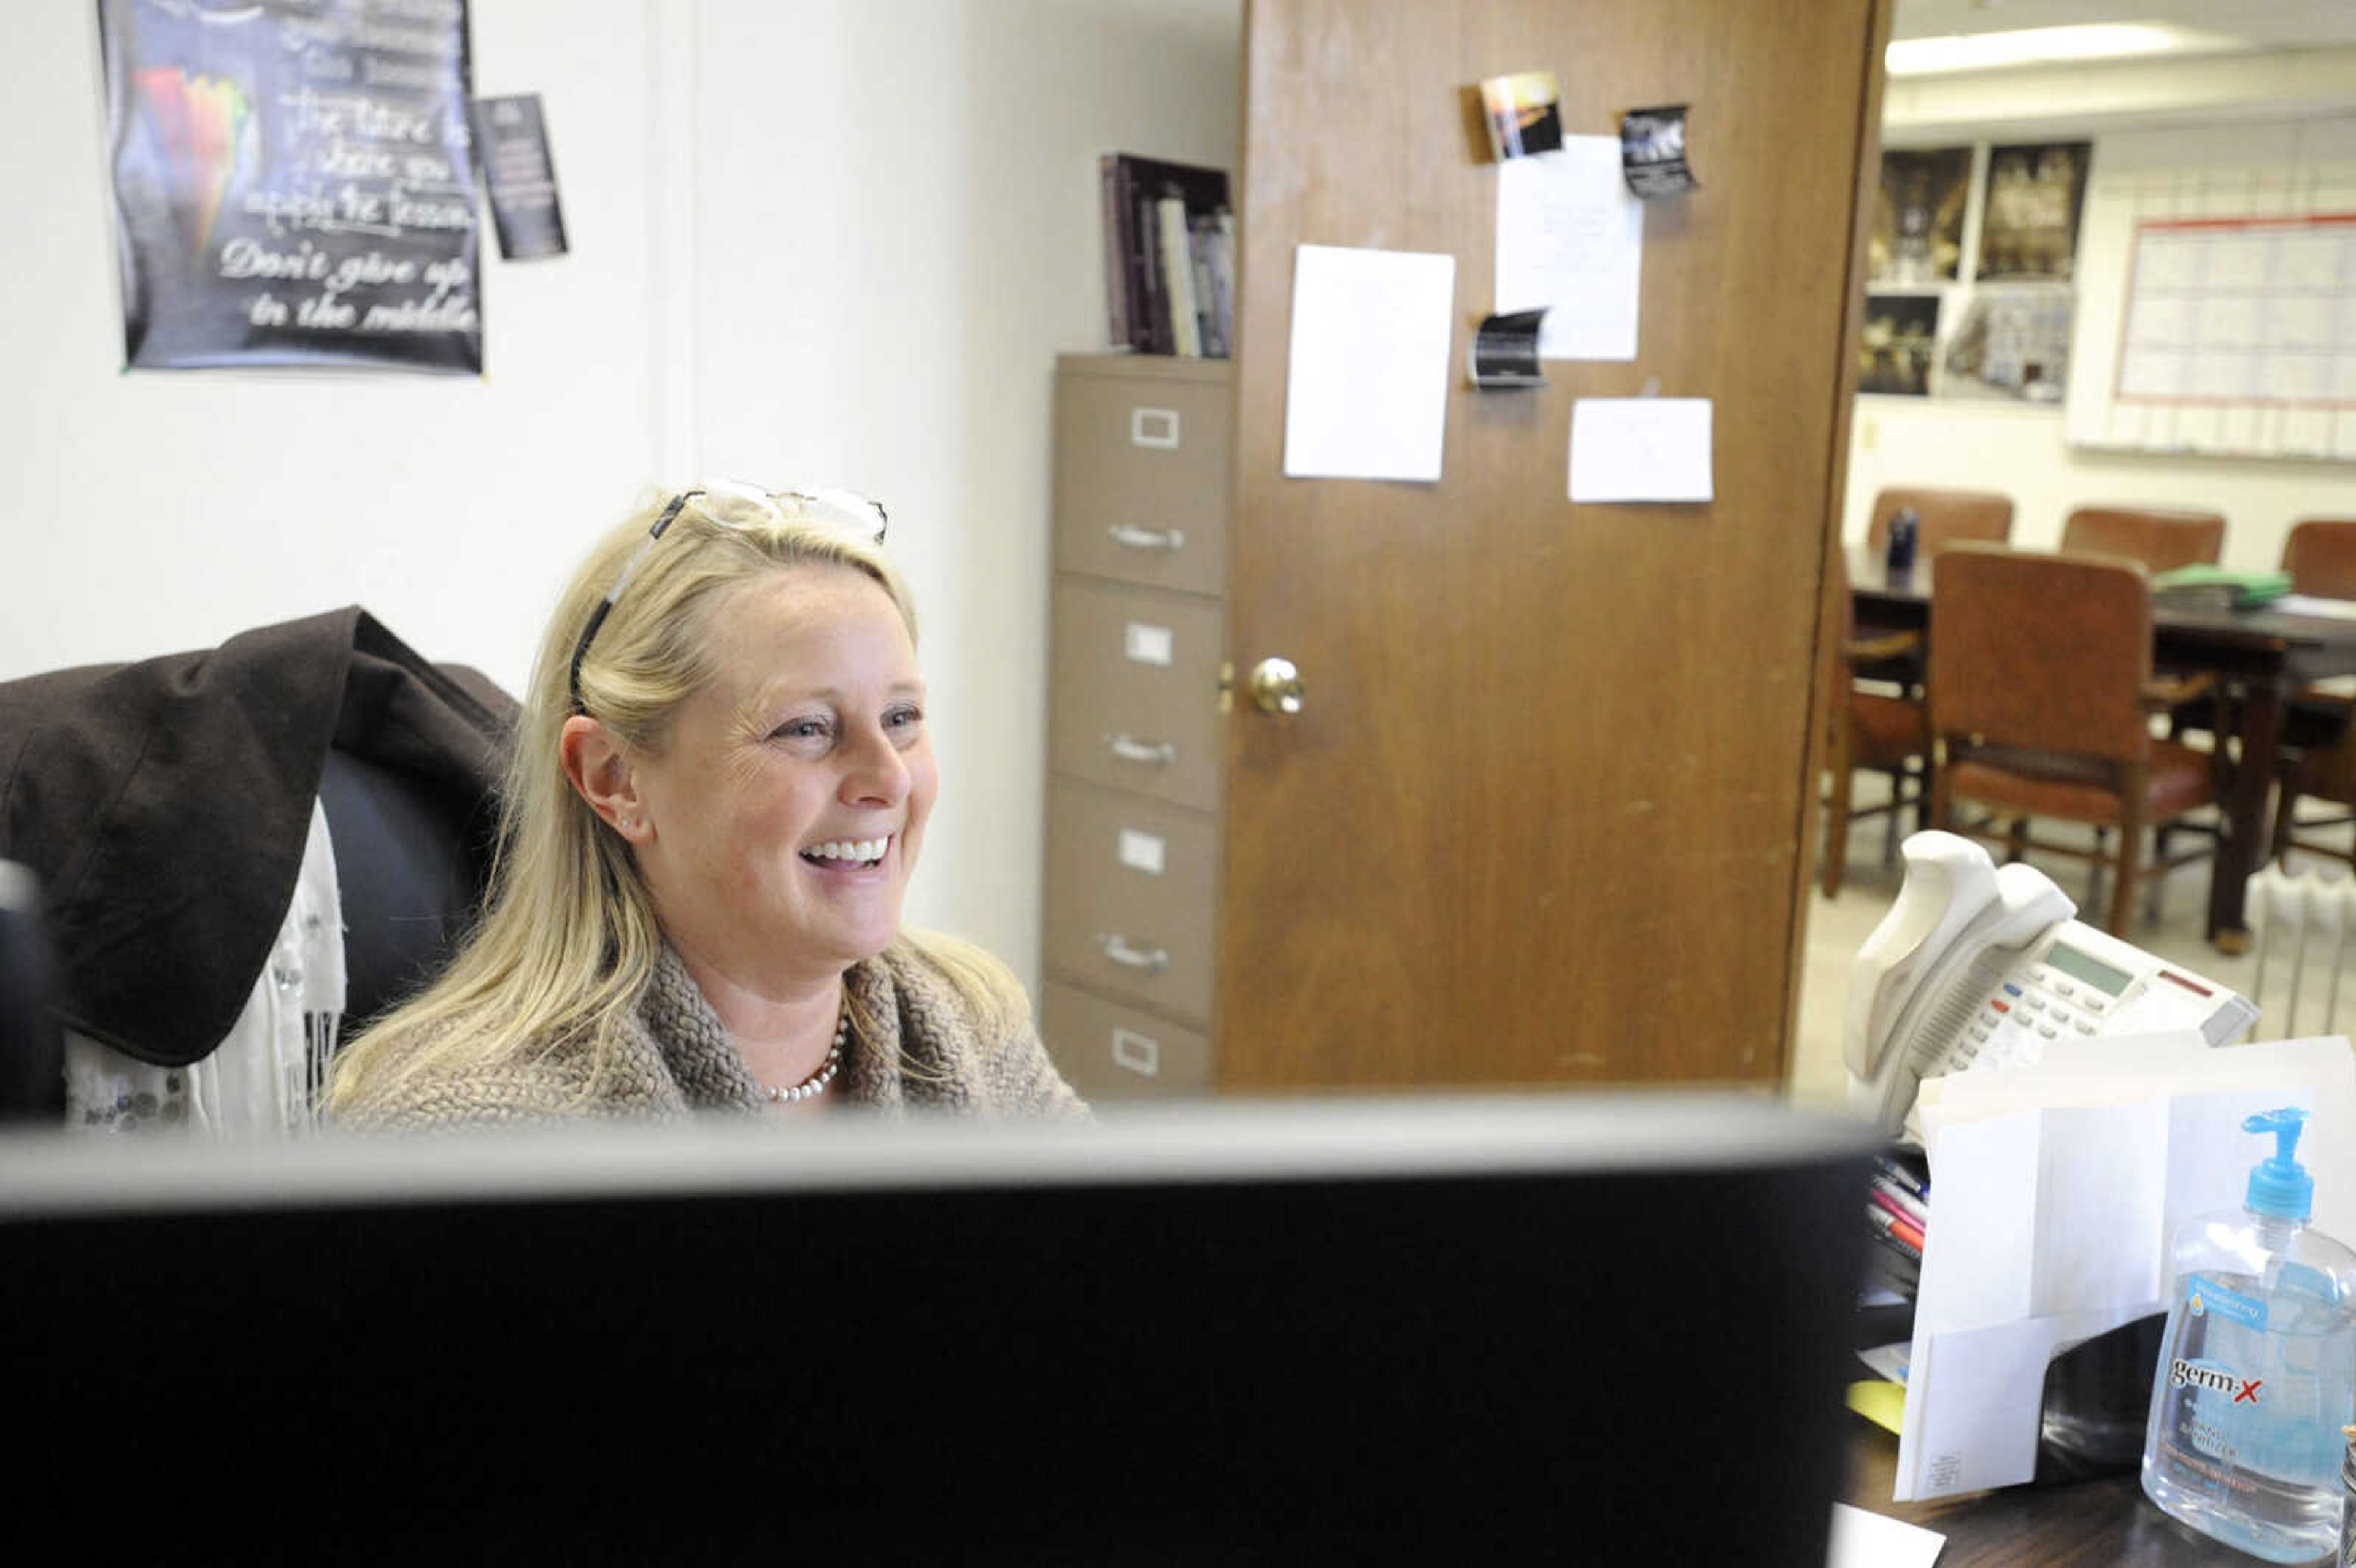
column 817, row 1081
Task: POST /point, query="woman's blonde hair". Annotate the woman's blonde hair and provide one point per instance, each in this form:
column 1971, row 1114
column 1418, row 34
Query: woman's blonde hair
column 568, row 938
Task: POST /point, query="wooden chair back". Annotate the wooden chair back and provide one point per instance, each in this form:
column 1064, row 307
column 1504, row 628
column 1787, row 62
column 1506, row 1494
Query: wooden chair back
column 2042, row 651
column 2161, row 538
column 1948, row 517
column 2321, row 556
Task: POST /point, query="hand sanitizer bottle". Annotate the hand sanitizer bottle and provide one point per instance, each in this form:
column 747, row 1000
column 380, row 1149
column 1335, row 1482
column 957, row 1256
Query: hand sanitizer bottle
column 2257, row 1371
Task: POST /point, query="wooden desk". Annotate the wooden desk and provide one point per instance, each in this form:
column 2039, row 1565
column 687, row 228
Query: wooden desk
column 2262, row 654
column 2105, row 1522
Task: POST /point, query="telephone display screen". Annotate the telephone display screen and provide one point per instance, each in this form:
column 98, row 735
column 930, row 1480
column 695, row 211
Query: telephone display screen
column 2078, row 967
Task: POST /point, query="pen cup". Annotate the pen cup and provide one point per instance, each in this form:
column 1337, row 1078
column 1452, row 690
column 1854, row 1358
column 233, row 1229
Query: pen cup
column 1903, row 530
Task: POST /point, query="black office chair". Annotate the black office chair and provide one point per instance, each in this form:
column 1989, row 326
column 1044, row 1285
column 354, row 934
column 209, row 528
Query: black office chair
column 410, row 863
column 165, row 807
column 32, row 1049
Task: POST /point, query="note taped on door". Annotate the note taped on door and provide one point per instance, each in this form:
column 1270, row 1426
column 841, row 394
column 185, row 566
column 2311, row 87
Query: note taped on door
column 1640, row 449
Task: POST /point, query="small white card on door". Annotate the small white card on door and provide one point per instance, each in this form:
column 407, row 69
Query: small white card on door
column 1640, row 449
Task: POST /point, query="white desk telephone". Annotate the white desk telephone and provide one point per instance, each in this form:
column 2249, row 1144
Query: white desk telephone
column 1978, row 962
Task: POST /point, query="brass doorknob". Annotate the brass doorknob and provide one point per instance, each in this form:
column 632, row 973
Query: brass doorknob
column 1276, row 686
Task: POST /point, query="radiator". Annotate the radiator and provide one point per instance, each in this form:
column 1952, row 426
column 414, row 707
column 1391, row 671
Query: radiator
column 2304, row 924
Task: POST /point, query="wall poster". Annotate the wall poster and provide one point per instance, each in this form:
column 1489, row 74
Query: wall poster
column 2028, row 227
column 1918, row 216
column 519, row 176
column 1902, row 334
column 2011, row 343
column 292, row 182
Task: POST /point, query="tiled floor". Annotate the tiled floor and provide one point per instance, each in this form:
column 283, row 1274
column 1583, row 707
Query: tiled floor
column 1839, row 927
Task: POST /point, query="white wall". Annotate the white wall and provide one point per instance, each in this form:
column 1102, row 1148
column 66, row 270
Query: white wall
column 159, row 510
column 2021, row 449
column 897, row 233
column 812, row 240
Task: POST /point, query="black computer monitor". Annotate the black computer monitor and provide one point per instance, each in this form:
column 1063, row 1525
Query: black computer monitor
column 1533, row 1329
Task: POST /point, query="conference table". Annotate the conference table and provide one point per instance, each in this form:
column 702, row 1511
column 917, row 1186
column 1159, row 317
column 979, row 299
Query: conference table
column 2260, row 656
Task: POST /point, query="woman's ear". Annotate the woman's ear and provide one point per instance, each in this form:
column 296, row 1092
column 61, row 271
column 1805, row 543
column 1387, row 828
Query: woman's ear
column 600, row 771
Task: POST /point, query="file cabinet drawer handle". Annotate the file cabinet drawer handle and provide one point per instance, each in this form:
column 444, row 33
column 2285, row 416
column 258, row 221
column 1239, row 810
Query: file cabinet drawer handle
column 1153, row 960
column 1163, row 753
column 1130, row 537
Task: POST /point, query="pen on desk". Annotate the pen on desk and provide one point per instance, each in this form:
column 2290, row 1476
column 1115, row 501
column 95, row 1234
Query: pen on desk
column 1889, row 1227
column 1905, row 1177
column 1909, row 1206
column 1898, row 1248
column 1898, row 1211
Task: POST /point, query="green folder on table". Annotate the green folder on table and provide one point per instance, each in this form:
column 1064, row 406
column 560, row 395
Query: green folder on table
column 2218, row 588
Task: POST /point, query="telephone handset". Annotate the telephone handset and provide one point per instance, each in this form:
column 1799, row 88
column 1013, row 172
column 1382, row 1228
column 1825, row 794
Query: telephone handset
column 1978, row 962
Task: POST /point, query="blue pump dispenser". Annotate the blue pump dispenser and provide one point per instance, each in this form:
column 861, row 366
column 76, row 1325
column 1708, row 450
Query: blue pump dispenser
column 2257, row 1370
column 2280, row 1186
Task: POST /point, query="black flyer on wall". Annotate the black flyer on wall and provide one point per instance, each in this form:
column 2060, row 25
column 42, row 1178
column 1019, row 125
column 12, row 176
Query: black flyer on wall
column 293, row 183
column 1504, row 352
column 1653, row 152
column 511, row 138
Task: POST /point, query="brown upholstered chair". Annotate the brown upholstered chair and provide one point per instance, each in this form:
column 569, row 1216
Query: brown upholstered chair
column 2319, row 742
column 2326, row 773
column 2163, row 540
column 2042, row 700
column 2160, row 538
column 2321, row 556
column 1884, row 732
column 1889, row 733
column 1946, row 516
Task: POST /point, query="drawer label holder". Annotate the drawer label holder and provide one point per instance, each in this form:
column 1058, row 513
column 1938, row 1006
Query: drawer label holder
column 1141, row 1053
column 1156, row 428
column 1147, row 852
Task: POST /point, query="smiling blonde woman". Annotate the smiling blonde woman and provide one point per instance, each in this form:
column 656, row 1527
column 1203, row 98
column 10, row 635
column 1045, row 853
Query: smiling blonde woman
column 720, row 787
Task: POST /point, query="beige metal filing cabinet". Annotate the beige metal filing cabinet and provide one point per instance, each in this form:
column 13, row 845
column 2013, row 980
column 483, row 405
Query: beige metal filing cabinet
column 1133, row 727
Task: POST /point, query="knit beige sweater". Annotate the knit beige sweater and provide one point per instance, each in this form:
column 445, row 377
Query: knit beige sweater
column 679, row 1060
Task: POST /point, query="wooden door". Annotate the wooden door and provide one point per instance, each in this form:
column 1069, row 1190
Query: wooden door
column 1542, row 816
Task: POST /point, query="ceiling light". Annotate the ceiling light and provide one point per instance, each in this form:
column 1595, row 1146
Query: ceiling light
column 2035, row 45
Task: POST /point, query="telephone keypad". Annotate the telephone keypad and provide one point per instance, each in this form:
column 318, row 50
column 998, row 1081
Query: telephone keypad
column 2055, row 1002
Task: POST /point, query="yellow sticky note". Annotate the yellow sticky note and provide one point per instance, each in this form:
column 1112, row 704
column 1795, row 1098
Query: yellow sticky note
column 1879, row 1401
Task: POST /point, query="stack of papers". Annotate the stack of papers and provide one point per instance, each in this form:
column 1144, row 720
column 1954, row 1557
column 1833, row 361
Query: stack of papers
column 2308, row 604
column 1862, row 1539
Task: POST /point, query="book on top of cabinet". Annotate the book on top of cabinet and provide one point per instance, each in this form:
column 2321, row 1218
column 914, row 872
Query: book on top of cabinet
column 1169, row 245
